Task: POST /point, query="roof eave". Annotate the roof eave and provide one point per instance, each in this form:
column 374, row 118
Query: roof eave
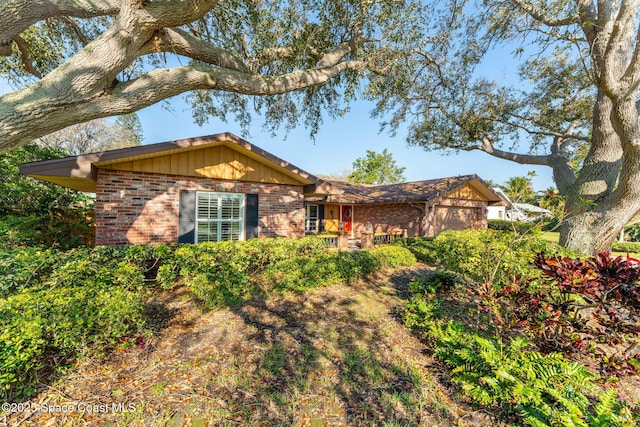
column 85, row 166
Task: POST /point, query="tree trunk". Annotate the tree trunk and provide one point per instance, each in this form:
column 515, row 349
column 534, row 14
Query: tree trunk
column 593, row 232
column 607, row 194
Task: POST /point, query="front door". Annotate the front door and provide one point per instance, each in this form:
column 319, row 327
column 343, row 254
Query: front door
column 346, row 216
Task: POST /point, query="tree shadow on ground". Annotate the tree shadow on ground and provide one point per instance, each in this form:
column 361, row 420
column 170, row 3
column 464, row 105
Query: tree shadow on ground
column 336, row 357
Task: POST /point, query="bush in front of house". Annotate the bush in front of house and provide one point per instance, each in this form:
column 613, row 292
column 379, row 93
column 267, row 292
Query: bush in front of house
column 485, row 256
column 301, row 273
column 394, row 256
column 67, row 322
column 422, row 248
column 63, row 304
column 57, row 305
column 223, row 274
column 227, row 273
column 514, row 226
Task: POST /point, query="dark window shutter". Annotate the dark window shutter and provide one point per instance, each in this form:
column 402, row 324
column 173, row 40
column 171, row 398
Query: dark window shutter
column 321, row 217
column 187, row 217
column 251, row 217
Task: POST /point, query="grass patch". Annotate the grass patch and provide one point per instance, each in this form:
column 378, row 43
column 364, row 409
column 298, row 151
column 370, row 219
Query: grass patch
column 550, row 236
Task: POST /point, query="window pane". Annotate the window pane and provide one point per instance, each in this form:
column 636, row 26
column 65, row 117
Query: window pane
column 312, row 225
column 312, row 218
column 231, row 207
column 207, row 206
column 207, row 232
column 230, row 231
column 203, row 205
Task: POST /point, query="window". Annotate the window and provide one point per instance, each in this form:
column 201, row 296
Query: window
column 312, row 219
column 219, row 216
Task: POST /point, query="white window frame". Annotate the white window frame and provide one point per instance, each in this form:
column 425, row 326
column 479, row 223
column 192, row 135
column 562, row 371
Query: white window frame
column 218, row 220
column 308, row 218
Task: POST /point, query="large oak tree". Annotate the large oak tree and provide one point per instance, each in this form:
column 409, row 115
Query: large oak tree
column 71, row 61
column 571, row 103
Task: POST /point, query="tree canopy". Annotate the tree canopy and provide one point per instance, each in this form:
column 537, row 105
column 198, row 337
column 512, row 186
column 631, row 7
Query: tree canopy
column 294, row 61
column 95, row 135
column 34, row 212
column 376, row 168
column 571, row 104
column 520, row 189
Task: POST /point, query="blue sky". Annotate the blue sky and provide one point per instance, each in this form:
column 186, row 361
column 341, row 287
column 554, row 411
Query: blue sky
column 338, row 144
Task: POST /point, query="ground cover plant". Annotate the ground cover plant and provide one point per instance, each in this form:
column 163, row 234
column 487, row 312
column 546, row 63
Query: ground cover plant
column 553, row 346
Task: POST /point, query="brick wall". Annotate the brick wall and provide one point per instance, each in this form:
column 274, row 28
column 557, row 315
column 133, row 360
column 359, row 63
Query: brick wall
column 136, row 207
column 477, row 221
column 389, row 217
column 412, row 218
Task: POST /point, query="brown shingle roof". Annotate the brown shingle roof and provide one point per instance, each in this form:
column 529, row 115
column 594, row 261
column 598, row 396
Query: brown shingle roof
column 344, row 192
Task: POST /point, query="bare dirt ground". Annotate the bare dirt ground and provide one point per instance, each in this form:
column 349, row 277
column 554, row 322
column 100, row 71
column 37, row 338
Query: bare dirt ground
column 334, row 356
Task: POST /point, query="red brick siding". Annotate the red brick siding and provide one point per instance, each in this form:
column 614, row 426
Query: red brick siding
column 389, row 217
column 137, row 208
column 411, row 217
column 479, row 222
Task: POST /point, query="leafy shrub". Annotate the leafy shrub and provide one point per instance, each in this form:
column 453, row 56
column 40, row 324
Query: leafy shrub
column 610, row 285
column 66, row 303
column 25, row 267
column 167, row 275
column 101, row 266
column 633, row 247
column 302, row 273
column 422, row 248
column 264, row 252
column 394, row 256
column 513, row 226
column 220, row 274
column 551, row 310
column 492, row 258
column 633, row 232
column 434, row 282
column 420, row 312
column 540, row 312
column 216, row 273
column 67, row 321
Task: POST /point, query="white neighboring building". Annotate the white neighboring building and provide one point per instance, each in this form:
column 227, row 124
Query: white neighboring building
column 498, row 212
column 523, row 212
column 531, row 212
